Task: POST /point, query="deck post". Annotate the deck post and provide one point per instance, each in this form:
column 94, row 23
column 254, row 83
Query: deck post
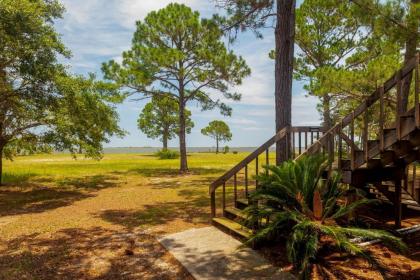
column 213, row 204
column 397, row 203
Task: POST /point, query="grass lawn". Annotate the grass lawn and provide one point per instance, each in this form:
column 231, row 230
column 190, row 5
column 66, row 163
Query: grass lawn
column 87, row 219
column 62, row 218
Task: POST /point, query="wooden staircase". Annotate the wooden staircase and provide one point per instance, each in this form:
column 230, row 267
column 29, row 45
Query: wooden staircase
column 376, row 148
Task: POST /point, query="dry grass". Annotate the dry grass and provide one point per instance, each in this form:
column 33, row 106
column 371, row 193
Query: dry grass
column 84, row 219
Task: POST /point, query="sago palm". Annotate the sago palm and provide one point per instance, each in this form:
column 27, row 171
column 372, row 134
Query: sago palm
column 293, row 200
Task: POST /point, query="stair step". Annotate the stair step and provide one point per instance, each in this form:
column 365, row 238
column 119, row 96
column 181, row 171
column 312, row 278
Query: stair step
column 402, row 148
column 373, row 148
column 242, row 203
column 407, row 124
column 374, row 163
column 235, row 213
column 390, row 136
column 346, row 164
column 232, row 227
column 359, row 158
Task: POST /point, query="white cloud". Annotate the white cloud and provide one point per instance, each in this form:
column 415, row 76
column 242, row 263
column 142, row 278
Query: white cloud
column 133, row 10
column 241, row 121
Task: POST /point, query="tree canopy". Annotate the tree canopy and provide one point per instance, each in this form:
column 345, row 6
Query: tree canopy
column 160, row 119
column 41, row 105
column 219, row 131
column 176, row 54
column 348, row 48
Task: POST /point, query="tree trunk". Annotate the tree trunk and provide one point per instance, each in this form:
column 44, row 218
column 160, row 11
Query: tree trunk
column 1, row 164
column 327, row 120
column 165, row 141
column 285, row 37
column 327, row 124
column 182, row 141
column 217, row 145
column 410, row 52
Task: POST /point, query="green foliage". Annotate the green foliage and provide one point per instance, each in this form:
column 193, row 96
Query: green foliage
column 176, row 54
column 160, row 119
column 306, row 207
column 167, row 154
column 245, row 15
column 219, row 131
column 226, row 149
column 42, row 106
column 348, row 48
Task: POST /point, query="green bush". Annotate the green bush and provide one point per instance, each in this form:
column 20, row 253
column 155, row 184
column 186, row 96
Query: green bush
column 167, row 154
column 235, row 152
column 305, row 208
column 226, row 149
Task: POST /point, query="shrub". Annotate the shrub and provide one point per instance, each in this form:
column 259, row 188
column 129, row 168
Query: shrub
column 305, row 207
column 235, row 152
column 167, row 154
column 226, row 149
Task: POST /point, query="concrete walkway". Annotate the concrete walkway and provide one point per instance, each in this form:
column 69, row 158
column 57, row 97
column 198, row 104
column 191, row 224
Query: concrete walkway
column 208, row 253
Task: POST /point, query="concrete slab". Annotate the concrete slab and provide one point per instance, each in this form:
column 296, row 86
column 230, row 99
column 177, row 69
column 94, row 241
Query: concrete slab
column 208, row 253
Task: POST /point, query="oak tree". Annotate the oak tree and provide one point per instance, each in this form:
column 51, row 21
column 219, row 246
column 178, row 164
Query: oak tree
column 160, row 119
column 42, row 107
column 176, row 54
column 219, row 131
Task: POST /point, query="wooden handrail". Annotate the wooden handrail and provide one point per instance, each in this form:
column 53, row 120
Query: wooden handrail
column 328, row 142
column 248, row 159
column 370, row 100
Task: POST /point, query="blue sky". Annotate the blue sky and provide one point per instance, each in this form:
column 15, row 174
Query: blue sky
column 99, row 30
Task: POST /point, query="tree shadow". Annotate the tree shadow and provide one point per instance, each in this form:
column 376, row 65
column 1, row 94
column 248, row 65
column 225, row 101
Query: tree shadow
column 174, row 172
column 381, row 215
column 88, row 183
column 89, row 254
column 159, row 214
column 35, row 198
column 12, row 178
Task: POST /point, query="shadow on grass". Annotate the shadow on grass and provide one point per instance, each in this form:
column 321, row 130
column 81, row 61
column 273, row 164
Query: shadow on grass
column 11, row 178
column 32, row 197
column 95, row 253
column 193, row 212
column 173, row 172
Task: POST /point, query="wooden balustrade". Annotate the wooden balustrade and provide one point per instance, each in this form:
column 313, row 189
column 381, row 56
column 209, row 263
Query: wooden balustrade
column 336, row 136
column 301, row 133
column 349, row 147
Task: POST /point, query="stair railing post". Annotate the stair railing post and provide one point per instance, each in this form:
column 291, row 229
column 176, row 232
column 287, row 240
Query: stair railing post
column 213, row 204
column 293, row 144
column 235, row 189
column 352, row 150
column 399, row 111
column 413, row 184
column 224, row 199
column 366, row 133
column 381, row 119
column 256, row 172
column 246, row 181
column 267, row 160
column 300, row 142
column 417, row 90
column 340, row 146
column 397, row 203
